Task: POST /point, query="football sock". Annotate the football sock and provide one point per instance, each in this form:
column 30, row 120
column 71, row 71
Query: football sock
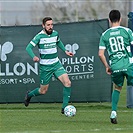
column 35, row 92
column 115, row 99
column 66, row 96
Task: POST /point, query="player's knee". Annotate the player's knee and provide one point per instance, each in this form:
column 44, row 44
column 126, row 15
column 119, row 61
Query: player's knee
column 43, row 90
column 67, row 83
column 118, row 88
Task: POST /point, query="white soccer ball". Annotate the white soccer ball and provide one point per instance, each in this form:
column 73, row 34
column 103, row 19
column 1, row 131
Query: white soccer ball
column 70, row 111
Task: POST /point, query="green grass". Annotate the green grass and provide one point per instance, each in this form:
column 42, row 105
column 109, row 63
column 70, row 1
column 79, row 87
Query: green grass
column 46, row 118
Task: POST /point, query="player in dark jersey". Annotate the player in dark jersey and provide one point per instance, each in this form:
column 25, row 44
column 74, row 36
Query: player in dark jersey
column 117, row 40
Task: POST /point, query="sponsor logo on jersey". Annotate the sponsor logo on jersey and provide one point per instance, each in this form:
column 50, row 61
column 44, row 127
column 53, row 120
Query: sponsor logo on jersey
column 119, row 55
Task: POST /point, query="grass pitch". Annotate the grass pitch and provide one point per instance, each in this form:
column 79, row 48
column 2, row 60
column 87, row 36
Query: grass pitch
column 46, row 118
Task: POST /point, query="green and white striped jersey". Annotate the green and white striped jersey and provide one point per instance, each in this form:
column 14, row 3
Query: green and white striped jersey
column 47, row 45
column 117, row 41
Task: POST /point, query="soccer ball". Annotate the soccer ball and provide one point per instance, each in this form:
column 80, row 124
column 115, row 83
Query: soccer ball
column 70, row 111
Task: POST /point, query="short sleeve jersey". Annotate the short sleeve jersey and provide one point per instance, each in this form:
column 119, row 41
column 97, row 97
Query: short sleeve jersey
column 47, row 45
column 117, row 41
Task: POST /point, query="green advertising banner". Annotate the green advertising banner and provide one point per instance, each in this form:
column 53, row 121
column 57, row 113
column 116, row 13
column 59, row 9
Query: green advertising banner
column 18, row 73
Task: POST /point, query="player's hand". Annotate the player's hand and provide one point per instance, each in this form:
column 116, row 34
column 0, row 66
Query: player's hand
column 69, row 53
column 36, row 59
column 108, row 70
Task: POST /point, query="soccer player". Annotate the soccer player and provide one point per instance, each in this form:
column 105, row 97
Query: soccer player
column 47, row 41
column 117, row 40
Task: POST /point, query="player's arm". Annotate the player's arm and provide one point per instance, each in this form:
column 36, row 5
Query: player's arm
column 61, row 46
column 30, row 52
column 104, row 61
column 102, row 47
column 102, row 57
column 30, row 47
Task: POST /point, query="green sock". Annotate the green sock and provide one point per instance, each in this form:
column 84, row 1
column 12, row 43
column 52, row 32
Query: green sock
column 115, row 99
column 35, row 92
column 66, row 96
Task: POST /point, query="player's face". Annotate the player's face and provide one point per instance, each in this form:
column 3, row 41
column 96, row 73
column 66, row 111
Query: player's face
column 49, row 27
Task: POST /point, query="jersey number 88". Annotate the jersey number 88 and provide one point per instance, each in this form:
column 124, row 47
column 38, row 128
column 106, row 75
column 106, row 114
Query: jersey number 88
column 116, row 43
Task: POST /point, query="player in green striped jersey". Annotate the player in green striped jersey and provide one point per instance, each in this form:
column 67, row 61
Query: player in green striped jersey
column 117, row 41
column 47, row 41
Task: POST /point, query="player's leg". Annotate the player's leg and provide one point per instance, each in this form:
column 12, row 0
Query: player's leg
column 45, row 77
column 36, row 92
column 61, row 74
column 115, row 99
column 118, row 80
column 66, row 90
column 129, row 87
